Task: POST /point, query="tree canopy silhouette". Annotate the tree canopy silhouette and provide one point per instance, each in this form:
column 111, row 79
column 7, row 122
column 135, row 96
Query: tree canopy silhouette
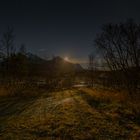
column 119, row 45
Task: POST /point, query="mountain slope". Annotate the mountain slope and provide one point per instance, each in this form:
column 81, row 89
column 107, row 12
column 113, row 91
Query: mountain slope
column 57, row 65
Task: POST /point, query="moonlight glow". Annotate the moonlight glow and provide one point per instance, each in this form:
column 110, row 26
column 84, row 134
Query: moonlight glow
column 66, row 59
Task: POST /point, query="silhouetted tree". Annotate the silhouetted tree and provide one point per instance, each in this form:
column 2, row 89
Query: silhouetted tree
column 22, row 49
column 7, row 50
column 19, row 64
column 120, row 47
column 7, row 42
column 91, row 68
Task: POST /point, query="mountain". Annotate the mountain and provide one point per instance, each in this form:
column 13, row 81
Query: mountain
column 78, row 67
column 56, row 65
column 34, row 58
column 62, row 65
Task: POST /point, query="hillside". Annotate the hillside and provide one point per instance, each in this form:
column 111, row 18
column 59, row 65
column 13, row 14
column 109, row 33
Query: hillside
column 54, row 65
column 34, row 66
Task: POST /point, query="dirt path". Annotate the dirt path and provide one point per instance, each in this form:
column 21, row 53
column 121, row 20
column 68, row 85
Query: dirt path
column 69, row 114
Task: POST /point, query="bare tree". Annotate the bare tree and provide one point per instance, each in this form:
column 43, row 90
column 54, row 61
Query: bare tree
column 7, row 42
column 92, row 69
column 7, row 50
column 120, row 47
column 22, row 49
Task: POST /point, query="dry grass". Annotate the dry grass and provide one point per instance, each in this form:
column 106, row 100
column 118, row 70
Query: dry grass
column 20, row 91
column 115, row 96
column 77, row 114
column 3, row 91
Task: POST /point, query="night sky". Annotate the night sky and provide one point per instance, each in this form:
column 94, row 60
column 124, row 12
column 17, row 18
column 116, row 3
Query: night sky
column 65, row 28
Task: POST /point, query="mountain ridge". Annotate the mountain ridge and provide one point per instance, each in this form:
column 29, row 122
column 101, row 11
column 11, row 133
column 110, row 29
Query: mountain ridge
column 55, row 65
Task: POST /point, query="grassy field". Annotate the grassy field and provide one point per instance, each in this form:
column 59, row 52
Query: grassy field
column 79, row 114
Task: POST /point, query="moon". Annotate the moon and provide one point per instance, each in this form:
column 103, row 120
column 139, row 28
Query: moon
column 66, row 58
